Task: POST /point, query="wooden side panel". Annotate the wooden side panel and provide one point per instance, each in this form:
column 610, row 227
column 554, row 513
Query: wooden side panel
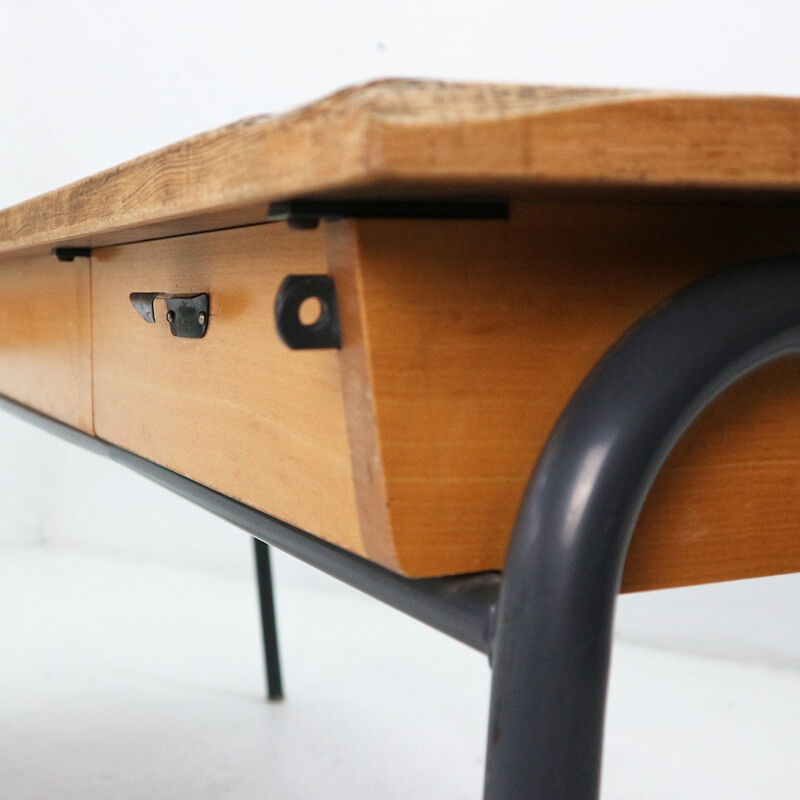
column 726, row 505
column 477, row 333
column 45, row 337
column 236, row 410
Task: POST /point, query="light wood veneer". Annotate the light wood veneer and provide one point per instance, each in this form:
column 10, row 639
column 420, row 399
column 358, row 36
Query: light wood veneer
column 45, row 337
column 236, row 410
column 465, row 340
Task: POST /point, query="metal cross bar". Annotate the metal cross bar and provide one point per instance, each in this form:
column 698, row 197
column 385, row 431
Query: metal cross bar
column 461, row 606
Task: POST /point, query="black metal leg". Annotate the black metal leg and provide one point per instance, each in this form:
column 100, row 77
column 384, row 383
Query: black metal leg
column 269, row 627
column 552, row 640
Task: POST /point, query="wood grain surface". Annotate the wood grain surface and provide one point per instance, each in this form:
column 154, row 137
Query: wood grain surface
column 236, row 410
column 45, row 337
column 463, row 340
column 411, row 138
column 473, row 337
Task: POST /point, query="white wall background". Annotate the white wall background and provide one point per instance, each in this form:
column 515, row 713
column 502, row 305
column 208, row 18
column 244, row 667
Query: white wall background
column 85, row 85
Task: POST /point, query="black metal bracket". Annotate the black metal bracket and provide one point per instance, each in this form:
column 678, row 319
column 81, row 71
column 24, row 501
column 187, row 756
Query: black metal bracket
column 187, row 314
column 322, row 333
column 305, row 214
column 71, row 253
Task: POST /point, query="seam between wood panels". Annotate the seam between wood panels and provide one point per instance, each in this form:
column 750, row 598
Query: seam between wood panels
column 91, row 345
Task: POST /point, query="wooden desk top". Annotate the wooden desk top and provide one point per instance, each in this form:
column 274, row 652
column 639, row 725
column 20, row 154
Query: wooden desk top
column 410, row 139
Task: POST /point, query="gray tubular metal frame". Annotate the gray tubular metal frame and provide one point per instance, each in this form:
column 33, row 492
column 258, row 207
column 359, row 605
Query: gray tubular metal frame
column 564, row 565
column 547, row 622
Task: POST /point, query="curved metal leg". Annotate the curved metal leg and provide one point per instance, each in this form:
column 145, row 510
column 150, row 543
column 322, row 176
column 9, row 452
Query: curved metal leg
column 562, row 575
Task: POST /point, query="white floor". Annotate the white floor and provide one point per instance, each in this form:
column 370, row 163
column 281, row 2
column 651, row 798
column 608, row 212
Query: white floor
column 123, row 679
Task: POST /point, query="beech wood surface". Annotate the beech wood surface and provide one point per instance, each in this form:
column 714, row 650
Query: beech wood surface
column 236, row 410
column 415, row 138
column 463, row 340
column 45, row 337
column 473, row 336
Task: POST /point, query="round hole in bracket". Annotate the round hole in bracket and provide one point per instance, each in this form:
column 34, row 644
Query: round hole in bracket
column 311, row 311
column 316, row 326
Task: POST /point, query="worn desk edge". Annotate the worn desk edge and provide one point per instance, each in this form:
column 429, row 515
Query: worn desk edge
column 415, row 138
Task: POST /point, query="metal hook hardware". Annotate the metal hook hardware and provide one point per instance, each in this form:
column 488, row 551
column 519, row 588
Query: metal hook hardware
column 324, row 331
column 187, row 314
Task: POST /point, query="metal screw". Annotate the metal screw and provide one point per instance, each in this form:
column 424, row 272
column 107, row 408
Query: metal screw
column 201, row 317
column 170, row 317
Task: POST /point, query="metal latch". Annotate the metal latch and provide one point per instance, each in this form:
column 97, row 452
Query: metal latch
column 187, row 314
